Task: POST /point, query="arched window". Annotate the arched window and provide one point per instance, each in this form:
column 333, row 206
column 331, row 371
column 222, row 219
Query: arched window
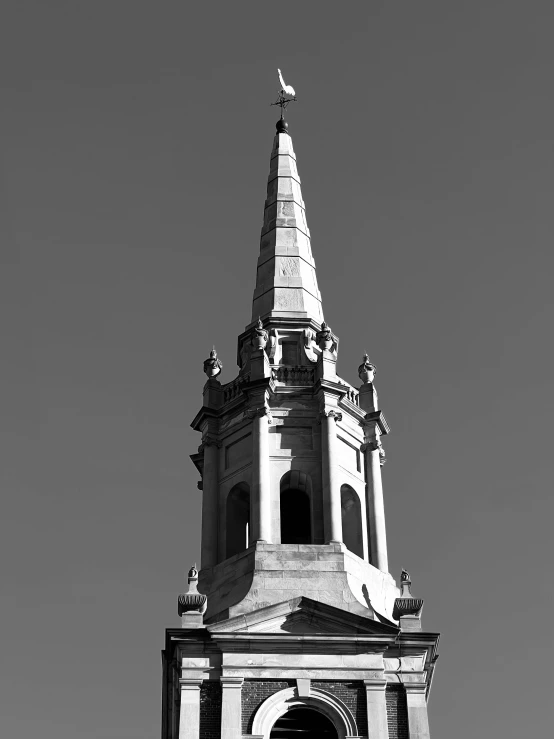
column 351, row 520
column 307, row 722
column 296, row 518
column 237, row 519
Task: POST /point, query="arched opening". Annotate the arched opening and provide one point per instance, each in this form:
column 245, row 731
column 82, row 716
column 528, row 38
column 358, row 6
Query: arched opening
column 351, row 520
column 296, row 517
column 282, row 703
column 237, row 519
column 306, row 723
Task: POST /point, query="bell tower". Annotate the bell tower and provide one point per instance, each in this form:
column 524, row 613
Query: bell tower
column 293, row 617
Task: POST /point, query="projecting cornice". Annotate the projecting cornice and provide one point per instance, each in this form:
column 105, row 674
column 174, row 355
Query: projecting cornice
column 378, row 418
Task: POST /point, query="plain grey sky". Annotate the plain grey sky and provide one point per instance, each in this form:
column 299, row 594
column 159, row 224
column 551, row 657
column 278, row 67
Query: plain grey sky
column 134, row 141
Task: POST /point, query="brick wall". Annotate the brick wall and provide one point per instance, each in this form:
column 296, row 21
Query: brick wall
column 350, row 692
column 353, row 694
column 397, row 712
column 254, row 693
column 210, row 710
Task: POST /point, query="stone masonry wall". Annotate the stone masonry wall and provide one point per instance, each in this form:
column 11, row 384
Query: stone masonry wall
column 210, row 710
column 397, row 712
column 353, row 694
column 254, row 693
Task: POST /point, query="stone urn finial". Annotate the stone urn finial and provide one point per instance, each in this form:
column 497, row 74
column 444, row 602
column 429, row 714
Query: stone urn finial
column 259, row 336
column 366, row 370
column 192, row 601
column 407, row 609
column 213, row 365
column 324, row 338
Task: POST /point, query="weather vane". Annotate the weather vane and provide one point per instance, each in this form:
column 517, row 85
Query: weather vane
column 286, row 95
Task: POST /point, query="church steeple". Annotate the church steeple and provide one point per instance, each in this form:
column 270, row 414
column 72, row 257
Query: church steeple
column 291, row 454
column 296, row 617
column 286, row 283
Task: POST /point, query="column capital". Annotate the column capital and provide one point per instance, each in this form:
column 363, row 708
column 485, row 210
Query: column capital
column 379, row 684
column 373, row 446
column 231, row 682
column 210, row 440
column 415, row 688
column 260, row 412
column 190, row 683
column 330, row 413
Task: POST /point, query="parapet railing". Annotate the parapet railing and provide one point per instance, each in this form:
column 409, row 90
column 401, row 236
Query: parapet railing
column 293, row 375
column 351, row 393
column 232, row 389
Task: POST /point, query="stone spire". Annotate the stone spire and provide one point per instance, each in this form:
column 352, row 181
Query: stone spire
column 286, row 283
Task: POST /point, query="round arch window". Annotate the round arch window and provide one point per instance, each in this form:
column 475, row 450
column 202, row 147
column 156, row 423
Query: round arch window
column 303, row 723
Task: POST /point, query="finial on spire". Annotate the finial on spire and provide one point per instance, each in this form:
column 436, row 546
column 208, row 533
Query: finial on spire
column 286, row 95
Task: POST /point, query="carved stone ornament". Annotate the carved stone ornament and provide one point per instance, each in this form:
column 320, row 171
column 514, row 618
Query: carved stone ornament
column 209, row 440
column 272, row 345
column 366, row 370
column 406, row 605
column 192, row 601
column 260, row 413
column 259, row 336
column 373, row 446
column 212, row 365
column 332, row 414
column 309, row 344
column 324, row 338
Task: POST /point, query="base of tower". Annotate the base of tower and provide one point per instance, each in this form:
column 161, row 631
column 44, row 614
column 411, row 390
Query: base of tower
column 265, row 574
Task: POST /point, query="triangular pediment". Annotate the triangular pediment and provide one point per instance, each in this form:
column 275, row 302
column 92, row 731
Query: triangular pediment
column 301, row 616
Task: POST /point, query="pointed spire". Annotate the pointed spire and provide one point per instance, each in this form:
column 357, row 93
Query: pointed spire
column 286, row 283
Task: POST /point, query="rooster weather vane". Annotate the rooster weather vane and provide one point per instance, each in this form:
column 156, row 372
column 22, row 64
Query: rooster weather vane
column 286, row 95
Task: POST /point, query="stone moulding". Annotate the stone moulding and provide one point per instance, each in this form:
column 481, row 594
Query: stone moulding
column 279, row 703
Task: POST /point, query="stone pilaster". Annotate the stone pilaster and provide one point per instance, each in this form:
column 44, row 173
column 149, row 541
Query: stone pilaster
column 261, row 489
column 189, row 713
column 231, row 707
column 374, row 456
column 418, row 719
column 377, row 723
column 332, row 513
column 210, row 492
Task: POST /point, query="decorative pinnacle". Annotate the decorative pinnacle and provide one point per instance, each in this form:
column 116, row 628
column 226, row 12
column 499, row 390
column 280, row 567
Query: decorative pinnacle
column 192, row 601
column 324, row 338
column 212, row 365
column 407, row 605
column 366, row 370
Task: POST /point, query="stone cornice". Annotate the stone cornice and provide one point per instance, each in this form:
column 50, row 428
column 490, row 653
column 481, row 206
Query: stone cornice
column 203, row 414
column 330, row 387
column 283, row 643
column 378, row 418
